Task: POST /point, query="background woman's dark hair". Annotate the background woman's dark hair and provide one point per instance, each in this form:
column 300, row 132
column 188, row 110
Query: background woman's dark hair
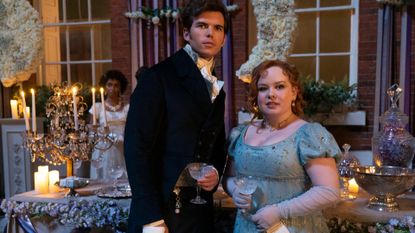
column 196, row 7
column 289, row 70
column 116, row 75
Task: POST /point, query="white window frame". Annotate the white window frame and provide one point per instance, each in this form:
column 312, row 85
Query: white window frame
column 69, row 62
column 354, row 33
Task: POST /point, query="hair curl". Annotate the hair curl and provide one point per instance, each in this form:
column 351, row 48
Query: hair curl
column 288, row 70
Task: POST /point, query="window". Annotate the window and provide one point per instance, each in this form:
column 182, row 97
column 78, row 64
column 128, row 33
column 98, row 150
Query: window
column 325, row 46
column 77, row 40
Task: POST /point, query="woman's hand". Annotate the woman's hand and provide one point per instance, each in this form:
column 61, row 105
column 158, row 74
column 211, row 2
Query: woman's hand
column 242, row 201
column 266, row 217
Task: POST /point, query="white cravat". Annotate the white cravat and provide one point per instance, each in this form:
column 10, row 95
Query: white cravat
column 205, row 67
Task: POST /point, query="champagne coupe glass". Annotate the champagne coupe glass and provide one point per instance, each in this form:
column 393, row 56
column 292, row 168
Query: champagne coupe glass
column 246, row 185
column 197, row 171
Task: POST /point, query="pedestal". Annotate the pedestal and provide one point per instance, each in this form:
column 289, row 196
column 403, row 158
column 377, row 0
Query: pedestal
column 17, row 170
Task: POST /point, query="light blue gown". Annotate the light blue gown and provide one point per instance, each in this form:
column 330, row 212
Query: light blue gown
column 280, row 171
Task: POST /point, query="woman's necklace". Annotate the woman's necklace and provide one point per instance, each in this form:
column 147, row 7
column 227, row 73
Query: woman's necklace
column 282, row 124
column 113, row 108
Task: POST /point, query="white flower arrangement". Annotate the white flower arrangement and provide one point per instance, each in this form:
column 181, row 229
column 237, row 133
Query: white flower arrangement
column 79, row 213
column 20, row 41
column 392, row 2
column 155, row 14
column 276, row 22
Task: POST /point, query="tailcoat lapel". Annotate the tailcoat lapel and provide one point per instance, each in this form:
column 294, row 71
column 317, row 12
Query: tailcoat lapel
column 192, row 80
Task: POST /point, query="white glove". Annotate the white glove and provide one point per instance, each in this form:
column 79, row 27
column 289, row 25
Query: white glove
column 242, row 201
column 266, row 217
column 315, row 199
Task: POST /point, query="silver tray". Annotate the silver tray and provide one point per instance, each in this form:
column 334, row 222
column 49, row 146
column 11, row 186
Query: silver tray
column 118, row 192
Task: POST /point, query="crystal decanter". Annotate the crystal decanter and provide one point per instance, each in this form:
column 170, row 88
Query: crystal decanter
column 393, row 145
column 347, row 162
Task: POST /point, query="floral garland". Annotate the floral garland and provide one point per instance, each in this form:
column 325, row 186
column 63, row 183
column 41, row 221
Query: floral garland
column 81, row 214
column 154, row 15
column 393, row 2
column 20, row 41
column 276, row 21
column 404, row 225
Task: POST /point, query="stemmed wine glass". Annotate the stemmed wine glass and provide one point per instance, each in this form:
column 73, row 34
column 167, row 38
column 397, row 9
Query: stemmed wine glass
column 116, row 170
column 246, row 185
column 197, row 171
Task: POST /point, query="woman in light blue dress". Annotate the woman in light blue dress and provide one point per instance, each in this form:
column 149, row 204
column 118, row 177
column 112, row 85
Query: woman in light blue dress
column 292, row 161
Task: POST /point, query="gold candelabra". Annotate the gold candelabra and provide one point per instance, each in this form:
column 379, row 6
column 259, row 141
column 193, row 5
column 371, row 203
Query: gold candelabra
column 69, row 138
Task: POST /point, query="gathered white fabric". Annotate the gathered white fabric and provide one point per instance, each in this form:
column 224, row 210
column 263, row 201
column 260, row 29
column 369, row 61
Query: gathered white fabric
column 206, row 66
column 216, row 84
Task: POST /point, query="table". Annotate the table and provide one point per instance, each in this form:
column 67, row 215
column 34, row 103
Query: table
column 55, row 213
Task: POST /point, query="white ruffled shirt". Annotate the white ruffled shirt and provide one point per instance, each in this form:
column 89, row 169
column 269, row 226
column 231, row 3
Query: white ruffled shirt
column 206, row 67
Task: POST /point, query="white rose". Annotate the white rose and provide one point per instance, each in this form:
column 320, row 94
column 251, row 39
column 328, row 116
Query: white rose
column 155, row 20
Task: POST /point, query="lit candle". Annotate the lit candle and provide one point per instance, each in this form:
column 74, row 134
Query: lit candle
column 28, row 112
column 53, row 178
column 353, row 187
column 42, row 179
column 75, row 110
column 26, row 117
column 44, row 169
column 13, row 106
column 33, row 111
column 103, row 106
column 94, row 117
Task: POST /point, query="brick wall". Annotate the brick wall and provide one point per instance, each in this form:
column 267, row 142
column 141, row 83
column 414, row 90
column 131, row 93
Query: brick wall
column 120, row 41
column 358, row 137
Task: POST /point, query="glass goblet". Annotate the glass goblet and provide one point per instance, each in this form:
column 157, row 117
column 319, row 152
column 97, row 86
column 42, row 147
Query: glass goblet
column 246, row 185
column 114, row 173
column 197, row 172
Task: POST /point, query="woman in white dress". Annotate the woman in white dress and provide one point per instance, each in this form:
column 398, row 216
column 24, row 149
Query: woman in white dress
column 104, row 162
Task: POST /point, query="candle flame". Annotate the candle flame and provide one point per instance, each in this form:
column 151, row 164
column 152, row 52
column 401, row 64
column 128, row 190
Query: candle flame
column 93, row 90
column 32, row 90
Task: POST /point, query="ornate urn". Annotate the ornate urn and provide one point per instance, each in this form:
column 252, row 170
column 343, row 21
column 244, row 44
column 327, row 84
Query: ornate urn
column 393, row 145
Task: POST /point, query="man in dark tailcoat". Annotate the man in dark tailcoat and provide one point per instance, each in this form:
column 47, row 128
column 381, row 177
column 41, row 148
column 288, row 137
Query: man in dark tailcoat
column 176, row 118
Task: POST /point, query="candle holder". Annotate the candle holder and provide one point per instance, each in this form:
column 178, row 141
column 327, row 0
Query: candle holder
column 67, row 142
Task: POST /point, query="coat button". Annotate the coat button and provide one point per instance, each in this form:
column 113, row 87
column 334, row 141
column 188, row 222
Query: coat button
column 200, row 143
column 213, row 133
column 198, row 156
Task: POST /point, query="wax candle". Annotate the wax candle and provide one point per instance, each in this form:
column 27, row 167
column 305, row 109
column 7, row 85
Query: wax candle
column 26, row 117
column 13, row 106
column 94, row 117
column 28, row 112
column 103, row 106
column 34, row 128
column 353, row 187
column 42, row 179
column 53, row 178
column 75, row 110
column 44, row 169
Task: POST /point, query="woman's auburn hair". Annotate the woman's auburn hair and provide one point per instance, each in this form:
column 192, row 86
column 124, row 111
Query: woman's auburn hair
column 288, row 70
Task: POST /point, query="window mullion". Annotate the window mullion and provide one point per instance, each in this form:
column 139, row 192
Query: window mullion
column 68, row 57
column 318, row 42
column 92, row 42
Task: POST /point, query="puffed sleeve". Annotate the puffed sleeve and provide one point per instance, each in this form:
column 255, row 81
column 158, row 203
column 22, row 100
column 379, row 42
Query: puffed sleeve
column 233, row 138
column 314, row 141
